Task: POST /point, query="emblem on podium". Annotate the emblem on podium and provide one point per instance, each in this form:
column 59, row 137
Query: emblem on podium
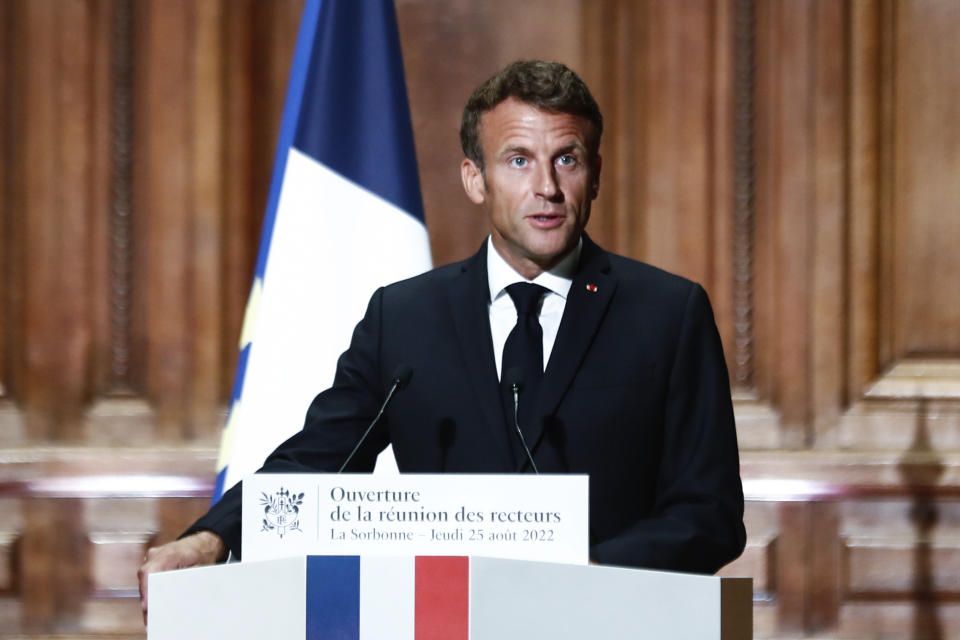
column 281, row 511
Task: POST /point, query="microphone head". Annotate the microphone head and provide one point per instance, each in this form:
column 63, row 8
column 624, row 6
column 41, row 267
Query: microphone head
column 402, row 375
column 513, row 377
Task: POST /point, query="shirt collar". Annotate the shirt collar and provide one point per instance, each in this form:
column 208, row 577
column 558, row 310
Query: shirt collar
column 559, row 279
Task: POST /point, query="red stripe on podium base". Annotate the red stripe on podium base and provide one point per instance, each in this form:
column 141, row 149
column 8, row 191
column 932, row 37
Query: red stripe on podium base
column 442, row 598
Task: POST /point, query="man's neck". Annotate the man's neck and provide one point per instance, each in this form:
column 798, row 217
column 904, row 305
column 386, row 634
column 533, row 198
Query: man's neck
column 501, row 273
column 563, row 265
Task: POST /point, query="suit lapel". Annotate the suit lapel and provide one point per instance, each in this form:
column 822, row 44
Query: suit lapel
column 589, row 297
column 468, row 306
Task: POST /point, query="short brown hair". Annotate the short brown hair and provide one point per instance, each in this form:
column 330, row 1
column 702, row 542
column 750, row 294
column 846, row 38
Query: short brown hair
column 551, row 86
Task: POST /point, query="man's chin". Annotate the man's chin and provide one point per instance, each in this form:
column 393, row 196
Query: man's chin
column 549, row 254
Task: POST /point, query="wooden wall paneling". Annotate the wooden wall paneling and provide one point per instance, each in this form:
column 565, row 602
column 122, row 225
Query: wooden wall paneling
column 785, row 130
column 36, row 198
column 802, row 578
column 118, row 412
column 11, row 534
column 54, row 564
column 55, row 195
column 77, row 34
column 720, row 203
column 823, row 568
column 870, row 166
column 900, row 559
column 187, row 240
column 757, row 420
column 241, row 208
column 99, row 154
column 741, row 346
column 864, row 163
column 11, row 424
column 163, row 198
column 610, row 39
column 887, row 166
column 925, row 314
column 6, row 52
column 905, row 367
column 676, row 118
column 114, row 368
column 791, row 562
column 203, row 417
column 829, row 219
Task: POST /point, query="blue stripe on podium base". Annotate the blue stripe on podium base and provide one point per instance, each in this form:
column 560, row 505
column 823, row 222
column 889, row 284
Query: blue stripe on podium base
column 333, row 598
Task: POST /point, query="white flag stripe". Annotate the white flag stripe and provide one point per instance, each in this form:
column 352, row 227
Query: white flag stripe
column 387, row 588
column 316, row 284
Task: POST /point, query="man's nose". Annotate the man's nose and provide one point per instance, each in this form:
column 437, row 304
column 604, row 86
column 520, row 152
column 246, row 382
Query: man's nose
column 546, row 182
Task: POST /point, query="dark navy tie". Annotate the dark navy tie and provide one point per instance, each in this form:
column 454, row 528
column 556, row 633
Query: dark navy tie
column 524, row 350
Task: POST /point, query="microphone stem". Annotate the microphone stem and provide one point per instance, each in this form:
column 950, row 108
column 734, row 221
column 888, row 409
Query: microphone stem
column 516, row 423
column 383, row 407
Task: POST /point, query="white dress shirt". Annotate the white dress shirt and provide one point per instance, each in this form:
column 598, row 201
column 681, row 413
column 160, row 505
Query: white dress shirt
column 503, row 313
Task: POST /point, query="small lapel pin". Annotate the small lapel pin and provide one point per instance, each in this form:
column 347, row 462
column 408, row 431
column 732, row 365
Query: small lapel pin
column 592, row 288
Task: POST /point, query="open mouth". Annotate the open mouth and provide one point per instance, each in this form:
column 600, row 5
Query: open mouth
column 546, row 217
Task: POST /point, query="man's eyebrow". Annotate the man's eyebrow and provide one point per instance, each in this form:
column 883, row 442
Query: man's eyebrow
column 576, row 145
column 515, row 148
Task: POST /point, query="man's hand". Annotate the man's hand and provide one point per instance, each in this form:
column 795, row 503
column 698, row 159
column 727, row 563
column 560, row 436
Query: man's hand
column 195, row 550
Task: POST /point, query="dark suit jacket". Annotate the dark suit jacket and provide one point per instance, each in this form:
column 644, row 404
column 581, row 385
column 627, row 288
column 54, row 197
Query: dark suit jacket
column 635, row 394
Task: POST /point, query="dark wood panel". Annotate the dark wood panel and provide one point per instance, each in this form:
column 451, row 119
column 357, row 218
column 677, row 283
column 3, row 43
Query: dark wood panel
column 785, row 130
column 925, row 311
column 828, row 211
column 55, row 195
column 865, row 197
column 163, row 188
column 6, row 50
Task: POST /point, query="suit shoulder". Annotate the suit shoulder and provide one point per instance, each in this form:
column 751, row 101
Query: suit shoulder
column 426, row 282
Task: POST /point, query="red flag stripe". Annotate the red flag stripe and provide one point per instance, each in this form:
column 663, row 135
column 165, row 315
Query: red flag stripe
column 442, row 598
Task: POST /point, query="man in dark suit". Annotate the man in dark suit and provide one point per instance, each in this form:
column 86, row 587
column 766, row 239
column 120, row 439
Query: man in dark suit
column 625, row 380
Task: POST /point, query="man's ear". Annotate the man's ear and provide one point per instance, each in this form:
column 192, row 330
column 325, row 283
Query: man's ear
column 473, row 181
column 595, row 181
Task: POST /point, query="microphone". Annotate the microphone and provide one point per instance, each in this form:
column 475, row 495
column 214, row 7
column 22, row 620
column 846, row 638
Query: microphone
column 513, row 378
column 401, row 376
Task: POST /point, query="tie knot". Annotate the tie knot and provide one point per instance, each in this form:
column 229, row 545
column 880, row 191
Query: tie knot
column 526, row 297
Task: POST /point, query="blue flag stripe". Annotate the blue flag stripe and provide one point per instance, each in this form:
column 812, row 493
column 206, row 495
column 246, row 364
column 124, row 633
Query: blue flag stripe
column 333, row 598
column 288, row 125
column 356, row 88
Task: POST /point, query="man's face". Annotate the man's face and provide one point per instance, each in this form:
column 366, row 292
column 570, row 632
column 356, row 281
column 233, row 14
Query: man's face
column 540, row 180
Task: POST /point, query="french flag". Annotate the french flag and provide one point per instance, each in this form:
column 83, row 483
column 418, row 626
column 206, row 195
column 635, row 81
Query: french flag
column 360, row 598
column 344, row 216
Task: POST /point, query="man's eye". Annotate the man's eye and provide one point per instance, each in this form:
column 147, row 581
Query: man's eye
column 518, row 162
column 566, row 160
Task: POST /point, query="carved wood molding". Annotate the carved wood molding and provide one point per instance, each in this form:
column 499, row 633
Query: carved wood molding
column 744, row 192
column 918, row 378
column 121, row 209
